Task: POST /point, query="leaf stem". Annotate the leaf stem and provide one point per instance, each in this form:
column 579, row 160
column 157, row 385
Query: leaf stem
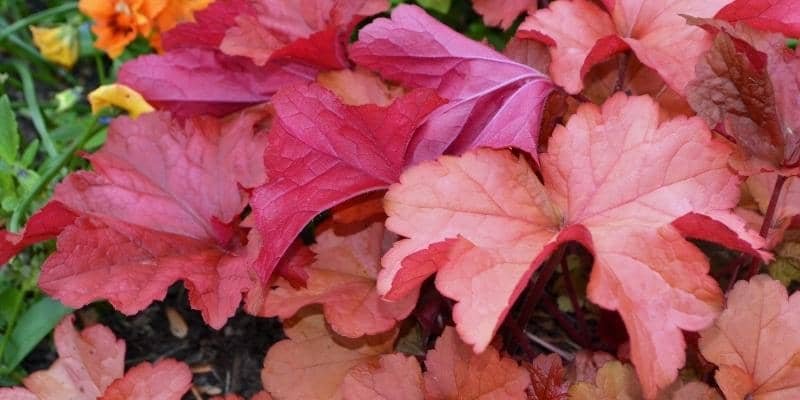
column 573, row 299
column 563, row 321
column 623, row 68
column 536, row 293
column 24, row 22
column 29, row 92
column 768, row 217
column 50, row 173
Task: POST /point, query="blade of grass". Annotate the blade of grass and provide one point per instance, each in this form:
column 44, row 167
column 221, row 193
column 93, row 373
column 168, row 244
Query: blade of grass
column 33, row 107
column 50, row 173
column 24, row 22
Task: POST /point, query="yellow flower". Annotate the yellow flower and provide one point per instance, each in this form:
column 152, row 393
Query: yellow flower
column 58, row 44
column 119, row 96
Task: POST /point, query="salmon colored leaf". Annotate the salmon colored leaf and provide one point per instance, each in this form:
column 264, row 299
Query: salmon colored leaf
column 547, row 378
column 502, row 13
column 165, row 380
column 311, row 32
column 484, row 223
column 313, row 362
column 614, row 381
column 581, row 34
column 747, row 84
column 455, row 372
column 322, row 152
column 755, row 343
column 46, row 224
column 494, row 101
column 359, row 87
column 342, row 279
column 198, row 81
column 769, row 15
column 391, row 377
column 161, row 205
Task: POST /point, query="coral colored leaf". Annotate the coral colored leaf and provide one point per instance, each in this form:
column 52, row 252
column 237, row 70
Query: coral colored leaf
column 322, row 152
column 88, row 363
column 485, row 223
column 160, row 206
column 502, row 13
column 46, row 224
column 581, row 35
column 165, row 380
column 391, row 377
column 769, row 15
column 203, row 81
column 313, row 362
column 359, row 87
column 342, row 279
column 313, row 32
column 547, row 378
column 455, row 372
column 494, row 101
column 614, row 381
column 755, row 343
column 747, row 83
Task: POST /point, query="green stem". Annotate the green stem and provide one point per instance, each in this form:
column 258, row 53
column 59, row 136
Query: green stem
column 24, row 22
column 63, row 158
column 33, row 107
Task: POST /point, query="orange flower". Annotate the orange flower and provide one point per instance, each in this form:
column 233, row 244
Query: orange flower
column 119, row 22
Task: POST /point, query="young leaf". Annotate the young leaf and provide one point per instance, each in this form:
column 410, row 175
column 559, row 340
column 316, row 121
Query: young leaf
column 506, row 223
column 161, row 205
column 547, row 378
column 755, row 343
column 342, row 279
column 581, row 34
column 313, row 362
column 493, row 101
column 769, row 15
column 9, row 136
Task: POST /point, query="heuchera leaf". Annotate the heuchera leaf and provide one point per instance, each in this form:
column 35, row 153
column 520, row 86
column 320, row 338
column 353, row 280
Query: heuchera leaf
column 342, row 279
column 755, row 343
column 322, row 152
column 614, row 381
column 313, row 362
column 485, row 223
column 209, row 26
column 313, row 32
column 198, row 81
column 747, row 84
column 581, row 35
column 455, row 372
column 760, row 188
column 547, row 378
column 165, row 380
column 90, row 366
column 391, row 377
column 494, row 102
column 161, row 205
column 46, row 224
column 502, row 13
column 770, row 15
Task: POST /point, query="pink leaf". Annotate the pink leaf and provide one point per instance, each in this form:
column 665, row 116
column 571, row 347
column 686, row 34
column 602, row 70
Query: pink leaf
column 507, row 223
column 322, row 152
column 770, row 15
column 494, row 101
column 165, row 380
column 161, row 205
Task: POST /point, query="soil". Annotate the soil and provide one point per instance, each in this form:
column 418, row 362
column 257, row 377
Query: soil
column 224, row 361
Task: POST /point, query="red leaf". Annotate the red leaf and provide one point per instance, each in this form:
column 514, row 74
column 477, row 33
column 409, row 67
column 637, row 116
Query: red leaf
column 769, row 15
column 322, row 152
column 161, row 205
column 581, row 35
column 494, row 101
column 209, row 27
column 755, row 343
column 455, row 372
column 507, row 222
column 312, row 32
column 203, row 81
column 46, row 224
column 342, row 279
column 547, row 378
column 502, row 13
column 165, row 380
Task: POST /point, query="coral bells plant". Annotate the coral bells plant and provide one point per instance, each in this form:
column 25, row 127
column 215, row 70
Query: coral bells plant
column 585, row 214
